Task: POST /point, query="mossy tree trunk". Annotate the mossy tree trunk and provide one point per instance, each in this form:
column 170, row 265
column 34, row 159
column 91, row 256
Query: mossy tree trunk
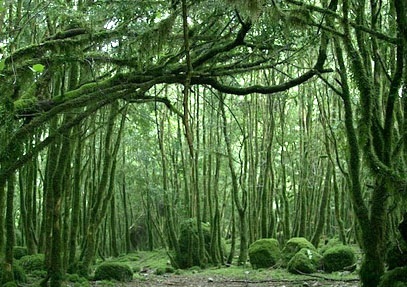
column 8, row 275
column 283, row 162
column 105, row 187
column 321, row 219
column 239, row 196
column 76, row 195
column 375, row 138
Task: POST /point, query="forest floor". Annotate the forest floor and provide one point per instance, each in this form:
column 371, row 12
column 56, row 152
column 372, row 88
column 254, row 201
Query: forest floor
column 147, row 264
column 222, row 281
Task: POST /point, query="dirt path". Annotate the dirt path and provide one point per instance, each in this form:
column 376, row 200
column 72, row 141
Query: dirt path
column 221, row 281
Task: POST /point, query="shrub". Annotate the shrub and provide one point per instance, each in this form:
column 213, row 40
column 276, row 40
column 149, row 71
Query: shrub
column 264, row 253
column 113, row 271
column 338, row 258
column 304, row 261
column 394, row 278
column 294, row 245
column 19, row 251
column 32, row 263
column 397, row 254
column 188, row 242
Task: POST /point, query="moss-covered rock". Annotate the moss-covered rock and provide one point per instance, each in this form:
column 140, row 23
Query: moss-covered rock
column 32, row 263
column 19, row 251
column 113, row 271
column 188, row 243
column 264, row 253
column 18, row 273
column 396, row 254
column 394, row 278
column 304, row 261
column 10, row 284
column 329, row 244
column 294, row 245
column 338, row 258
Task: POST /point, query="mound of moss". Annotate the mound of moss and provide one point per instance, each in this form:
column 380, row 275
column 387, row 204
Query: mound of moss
column 338, row 258
column 304, row 261
column 294, row 245
column 394, row 278
column 19, row 251
column 18, row 273
column 32, row 263
column 113, row 271
column 396, row 254
column 332, row 242
column 188, row 243
column 264, row 253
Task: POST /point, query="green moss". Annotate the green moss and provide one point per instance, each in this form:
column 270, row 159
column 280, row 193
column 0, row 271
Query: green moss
column 338, row 258
column 294, row 245
column 394, row 278
column 188, row 243
column 304, row 261
column 264, row 253
column 396, row 254
column 159, row 271
column 331, row 243
column 18, row 273
column 32, row 263
column 113, row 271
column 19, row 251
column 10, row 284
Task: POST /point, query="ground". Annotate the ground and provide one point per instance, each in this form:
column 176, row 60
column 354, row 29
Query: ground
column 146, row 264
column 222, row 281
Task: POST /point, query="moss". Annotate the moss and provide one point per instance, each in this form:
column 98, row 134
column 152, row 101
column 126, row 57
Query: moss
column 338, row 258
column 304, row 261
column 394, row 278
column 396, row 254
column 331, row 243
column 159, row 271
column 10, row 284
column 188, row 243
column 264, row 253
column 294, row 245
column 19, row 251
column 113, row 271
column 18, row 273
column 32, row 263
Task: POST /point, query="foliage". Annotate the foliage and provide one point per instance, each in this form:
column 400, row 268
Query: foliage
column 115, row 271
column 19, row 251
column 394, row 278
column 396, row 255
column 304, row 261
column 264, row 253
column 188, row 241
column 294, row 245
column 338, row 258
column 32, row 263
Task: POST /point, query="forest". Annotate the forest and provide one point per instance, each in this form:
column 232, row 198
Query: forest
column 204, row 129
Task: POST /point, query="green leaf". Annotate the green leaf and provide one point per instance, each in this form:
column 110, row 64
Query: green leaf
column 2, row 64
column 38, row 68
